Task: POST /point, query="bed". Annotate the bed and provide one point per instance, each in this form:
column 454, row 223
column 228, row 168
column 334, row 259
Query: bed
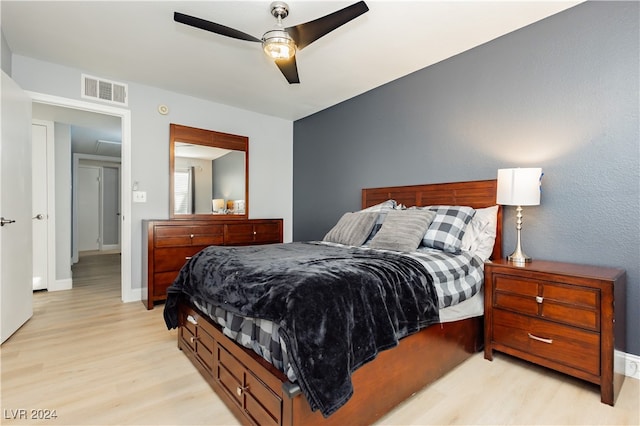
column 259, row 393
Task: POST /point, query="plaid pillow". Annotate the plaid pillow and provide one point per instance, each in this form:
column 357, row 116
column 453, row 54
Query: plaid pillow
column 447, row 229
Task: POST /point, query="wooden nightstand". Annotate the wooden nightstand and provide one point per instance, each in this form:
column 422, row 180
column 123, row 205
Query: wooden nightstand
column 561, row 316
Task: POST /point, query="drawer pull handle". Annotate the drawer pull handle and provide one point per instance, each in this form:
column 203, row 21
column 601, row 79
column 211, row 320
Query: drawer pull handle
column 194, row 339
column 240, row 390
column 192, row 320
column 191, row 235
column 540, row 339
column 539, row 299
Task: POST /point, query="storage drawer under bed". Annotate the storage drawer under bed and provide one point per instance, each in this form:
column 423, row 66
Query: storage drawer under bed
column 259, row 401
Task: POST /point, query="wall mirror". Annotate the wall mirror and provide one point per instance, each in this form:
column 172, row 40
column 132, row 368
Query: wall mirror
column 209, row 174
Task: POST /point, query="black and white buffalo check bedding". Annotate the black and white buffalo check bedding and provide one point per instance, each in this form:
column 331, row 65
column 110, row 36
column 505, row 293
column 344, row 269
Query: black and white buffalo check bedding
column 456, row 278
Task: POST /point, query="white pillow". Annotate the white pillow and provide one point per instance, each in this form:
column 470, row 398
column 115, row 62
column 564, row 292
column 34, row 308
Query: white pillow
column 480, row 235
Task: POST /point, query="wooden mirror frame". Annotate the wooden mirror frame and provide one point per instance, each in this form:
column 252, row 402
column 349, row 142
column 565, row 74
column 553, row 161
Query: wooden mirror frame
column 179, row 133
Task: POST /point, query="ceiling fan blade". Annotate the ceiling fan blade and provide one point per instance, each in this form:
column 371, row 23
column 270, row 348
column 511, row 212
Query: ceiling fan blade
column 289, row 69
column 307, row 33
column 213, row 27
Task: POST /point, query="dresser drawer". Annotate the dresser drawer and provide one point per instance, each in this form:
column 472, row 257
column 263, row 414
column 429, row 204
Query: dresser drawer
column 253, row 232
column 184, row 235
column 162, row 281
column 208, row 235
column 172, row 236
column 174, row 258
column 269, row 232
column 239, row 233
column 566, row 345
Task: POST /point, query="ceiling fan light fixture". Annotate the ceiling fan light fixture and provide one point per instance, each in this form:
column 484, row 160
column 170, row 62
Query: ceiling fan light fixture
column 278, row 45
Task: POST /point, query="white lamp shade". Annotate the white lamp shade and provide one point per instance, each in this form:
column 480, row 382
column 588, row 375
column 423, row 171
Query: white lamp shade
column 519, row 187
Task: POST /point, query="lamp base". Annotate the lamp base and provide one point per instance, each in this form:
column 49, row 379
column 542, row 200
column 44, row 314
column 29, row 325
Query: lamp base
column 518, row 258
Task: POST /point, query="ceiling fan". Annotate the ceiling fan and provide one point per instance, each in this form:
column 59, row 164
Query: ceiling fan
column 281, row 43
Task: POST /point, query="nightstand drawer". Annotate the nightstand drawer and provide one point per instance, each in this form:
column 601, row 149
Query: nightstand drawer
column 566, row 345
column 567, row 304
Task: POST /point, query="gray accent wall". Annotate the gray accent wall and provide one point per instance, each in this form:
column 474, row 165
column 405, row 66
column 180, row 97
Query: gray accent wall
column 561, row 94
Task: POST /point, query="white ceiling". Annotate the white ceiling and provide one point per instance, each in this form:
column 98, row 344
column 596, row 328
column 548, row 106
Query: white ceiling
column 138, row 41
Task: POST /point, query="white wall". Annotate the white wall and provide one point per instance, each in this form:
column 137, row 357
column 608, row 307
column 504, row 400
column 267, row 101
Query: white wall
column 270, row 144
column 5, row 62
column 62, row 149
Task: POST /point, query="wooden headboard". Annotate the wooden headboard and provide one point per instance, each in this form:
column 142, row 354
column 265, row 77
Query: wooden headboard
column 476, row 194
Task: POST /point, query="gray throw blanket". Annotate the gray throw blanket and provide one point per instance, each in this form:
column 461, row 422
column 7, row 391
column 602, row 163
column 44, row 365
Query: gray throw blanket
column 337, row 307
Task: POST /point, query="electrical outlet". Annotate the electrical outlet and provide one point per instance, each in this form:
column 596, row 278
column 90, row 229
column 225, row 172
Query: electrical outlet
column 631, row 369
column 139, row 196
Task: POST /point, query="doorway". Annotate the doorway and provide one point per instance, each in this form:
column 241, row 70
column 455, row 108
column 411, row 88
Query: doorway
column 97, row 204
column 88, row 215
column 43, row 204
column 71, row 106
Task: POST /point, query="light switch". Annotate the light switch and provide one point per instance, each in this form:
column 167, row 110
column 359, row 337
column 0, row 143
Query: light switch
column 139, row 196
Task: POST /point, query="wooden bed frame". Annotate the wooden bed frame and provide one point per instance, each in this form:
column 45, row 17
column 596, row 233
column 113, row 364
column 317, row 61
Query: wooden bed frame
column 257, row 393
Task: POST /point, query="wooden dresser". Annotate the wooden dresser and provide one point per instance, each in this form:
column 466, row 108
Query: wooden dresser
column 561, row 316
column 167, row 244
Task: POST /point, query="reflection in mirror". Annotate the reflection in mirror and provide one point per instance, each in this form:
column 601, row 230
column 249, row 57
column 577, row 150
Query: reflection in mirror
column 208, row 173
column 206, row 178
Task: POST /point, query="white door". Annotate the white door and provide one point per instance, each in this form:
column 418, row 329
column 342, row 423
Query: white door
column 16, row 305
column 88, row 208
column 40, row 136
column 110, row 208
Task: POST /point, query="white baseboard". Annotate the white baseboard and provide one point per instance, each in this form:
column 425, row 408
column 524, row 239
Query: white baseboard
column 133, row 295
column 58, row 285
column 631, row 364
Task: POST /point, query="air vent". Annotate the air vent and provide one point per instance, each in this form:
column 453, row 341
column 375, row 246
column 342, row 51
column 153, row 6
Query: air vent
column 104, row 90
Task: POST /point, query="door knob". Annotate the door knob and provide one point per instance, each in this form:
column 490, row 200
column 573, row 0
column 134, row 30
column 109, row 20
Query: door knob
column 39, row 216
column 4, row 221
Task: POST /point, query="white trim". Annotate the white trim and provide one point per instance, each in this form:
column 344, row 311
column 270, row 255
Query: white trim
column 51, row 200
column 65, row 284
column 126, row 230
column 134, row 295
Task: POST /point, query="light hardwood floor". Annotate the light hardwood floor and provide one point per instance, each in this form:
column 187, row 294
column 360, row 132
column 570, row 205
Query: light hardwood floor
column 98, row 361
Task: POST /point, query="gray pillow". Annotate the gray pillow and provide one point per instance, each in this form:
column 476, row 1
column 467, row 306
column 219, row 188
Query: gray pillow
column 402, row 230
column 352, row 229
